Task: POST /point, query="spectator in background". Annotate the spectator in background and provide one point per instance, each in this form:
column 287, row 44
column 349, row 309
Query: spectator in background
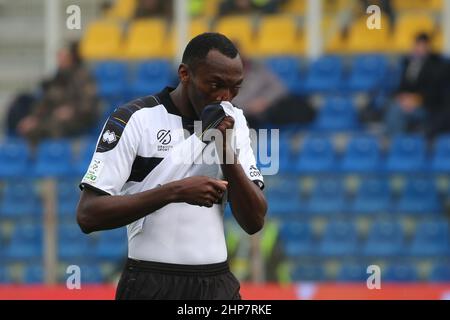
column 68, row 105
column 419, row 97
column 265, row 99
column 153, row 9
column 229, row 7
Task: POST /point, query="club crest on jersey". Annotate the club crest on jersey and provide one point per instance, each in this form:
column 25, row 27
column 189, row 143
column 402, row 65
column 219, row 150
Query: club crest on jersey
column 109, row 137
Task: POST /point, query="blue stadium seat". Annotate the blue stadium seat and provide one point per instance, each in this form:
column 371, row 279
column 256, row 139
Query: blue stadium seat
column 328, row 197
column 400, row 273
column 284, row 198
column 14, row 157
column 26, row 243
column 4, row 275
column 112, row 78
column 431, row 239
column 20, row 200
column 385, row 239
column 112, row 245
column 86, row 153
column 67, row 198
column 90, row 273
column 441, row 156
column 440, row 272
column 373, row 196
column 54, row 158
column 420, row 196
column 297, row 239
column 308, row 273
column 367, row 73
column 337, row 114
column 34, row 273
column 151, row 76
column 324, row 75
column 316, row 155
column 339, row 240
column 72, row 243
column 287, row 68
column 362, row 155
column 407, row 154
column 352, row 272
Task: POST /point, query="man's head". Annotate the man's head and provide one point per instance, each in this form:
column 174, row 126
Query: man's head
column 422, row 45
column 211, row 70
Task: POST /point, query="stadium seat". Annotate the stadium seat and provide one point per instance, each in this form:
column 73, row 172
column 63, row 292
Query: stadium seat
column 111, row 77
column 385, row 239
column 72, row 243
column 352, row 272
column 431, row 239
column 297, row 239
column 406, row 154
column 14, row 158
column 440, row 162
column 367, row 73
column 270, row 43
column 86, row 153
column 339, row 240
column 287, row 68
column 419, row 197
column 90, row 273
column 285, row 199
column 101, row 41
column 400, row 273
column 361, row 39
column 26, row 243
column 146, row 39
column 423, row 5
column 238, row 29
column 112, row 245
column 338, row 114
column 196, row 26
column 151, row 76
column 310, row 272
column 316, row 155
column 372, row 197
column 54, row 158
column 4, row 275
column 327, row 198
column 67, row 198
column 20, row 200
column 361, row 155
column 33, row 274
column 122, row 9
column 295, row 7
column 407, row 27
column 324, row 75
column 440, row 272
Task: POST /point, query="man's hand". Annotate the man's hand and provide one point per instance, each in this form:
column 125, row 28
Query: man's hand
column 199, row 190
column 226, row 123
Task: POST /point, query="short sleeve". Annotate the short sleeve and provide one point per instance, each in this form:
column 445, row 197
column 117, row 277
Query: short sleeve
column 115, row 153
column 245, row 152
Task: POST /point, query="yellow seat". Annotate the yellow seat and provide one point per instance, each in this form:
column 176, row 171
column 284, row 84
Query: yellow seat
column 239, row 30
column 146, row 39
column 279, row 35
column 196, row 27
column 407, row 27
column 401, row 5
column 333, row 41
column 102, row 40
column 297, row 7
column 438, row 42
column 362, row 39
column 122, row 9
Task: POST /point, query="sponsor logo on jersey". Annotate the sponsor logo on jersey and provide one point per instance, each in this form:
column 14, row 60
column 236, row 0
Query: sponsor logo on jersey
column 164, row 137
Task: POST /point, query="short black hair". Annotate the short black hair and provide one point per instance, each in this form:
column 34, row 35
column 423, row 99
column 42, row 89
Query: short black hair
column 198, row 48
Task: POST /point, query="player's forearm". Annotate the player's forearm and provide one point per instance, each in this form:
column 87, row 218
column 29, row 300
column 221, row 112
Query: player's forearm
column 96, row 212
column 247, row 200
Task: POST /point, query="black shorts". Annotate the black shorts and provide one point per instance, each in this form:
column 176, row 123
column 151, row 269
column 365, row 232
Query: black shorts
column 156, row 280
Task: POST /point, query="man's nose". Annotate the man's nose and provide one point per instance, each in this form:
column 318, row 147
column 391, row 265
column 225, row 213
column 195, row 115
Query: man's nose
column 224, row 95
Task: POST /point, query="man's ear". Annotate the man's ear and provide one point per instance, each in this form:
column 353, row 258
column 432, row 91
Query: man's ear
column 183, row 73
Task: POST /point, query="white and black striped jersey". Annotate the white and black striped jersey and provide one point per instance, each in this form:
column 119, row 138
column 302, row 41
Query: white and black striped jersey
column 139, row 149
